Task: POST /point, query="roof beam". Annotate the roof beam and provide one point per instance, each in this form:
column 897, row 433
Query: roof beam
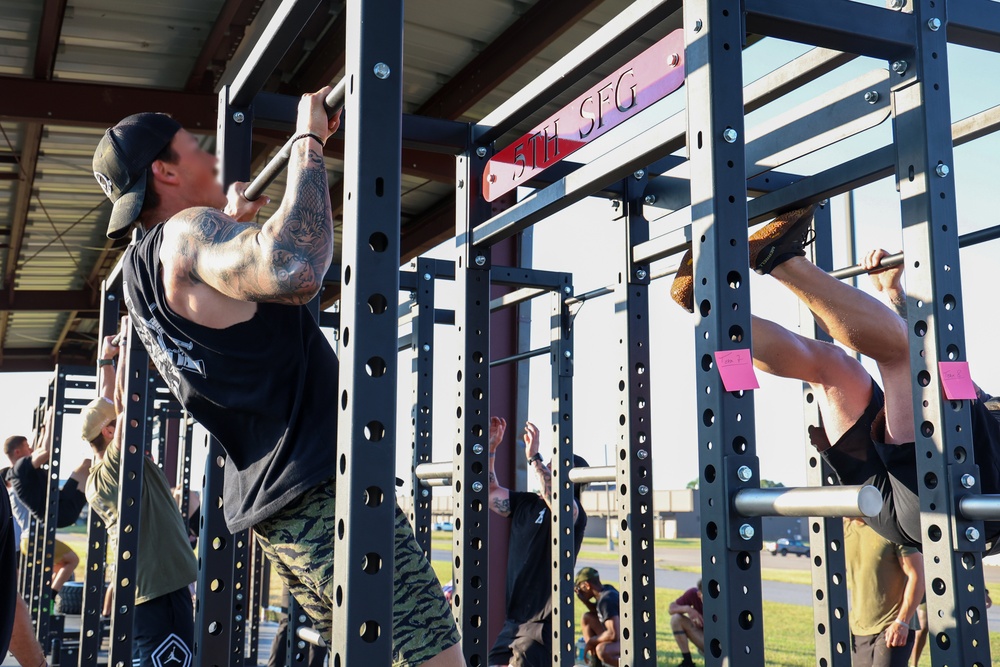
column 48, row 38
column 48, row 300
column 29, row 360
column 523, row 40
column 99, row 105
column 226, row 35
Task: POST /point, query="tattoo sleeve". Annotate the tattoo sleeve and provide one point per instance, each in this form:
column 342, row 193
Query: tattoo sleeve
column 285, row 259
column 898, row 302
column 501, row 506
column 545, row 476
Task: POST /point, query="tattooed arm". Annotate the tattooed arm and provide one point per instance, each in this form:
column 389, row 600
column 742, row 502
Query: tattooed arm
column 531, row 443
column 499, row 496
column 283, row 260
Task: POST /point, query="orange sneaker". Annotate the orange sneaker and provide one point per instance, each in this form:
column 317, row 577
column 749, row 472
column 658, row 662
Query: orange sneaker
column 682, row 289
column 781, row 239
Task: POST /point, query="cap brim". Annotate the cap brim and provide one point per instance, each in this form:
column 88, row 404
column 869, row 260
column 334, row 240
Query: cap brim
column 126, row 210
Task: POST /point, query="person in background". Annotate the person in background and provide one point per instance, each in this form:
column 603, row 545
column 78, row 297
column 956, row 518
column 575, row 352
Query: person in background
column 688, row 623
column 601, row 622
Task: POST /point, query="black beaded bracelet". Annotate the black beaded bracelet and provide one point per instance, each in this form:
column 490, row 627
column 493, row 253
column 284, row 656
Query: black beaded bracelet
column 305, row 135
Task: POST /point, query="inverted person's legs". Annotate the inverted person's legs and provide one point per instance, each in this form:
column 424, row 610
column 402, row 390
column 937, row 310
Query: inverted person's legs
column 842, row 386
column 865, row 325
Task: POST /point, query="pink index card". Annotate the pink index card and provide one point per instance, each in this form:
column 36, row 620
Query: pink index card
column 736, row 369
column 956, row 380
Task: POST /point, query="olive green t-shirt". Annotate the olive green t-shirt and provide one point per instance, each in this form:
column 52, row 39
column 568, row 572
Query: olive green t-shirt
column 875, row 578
column 166, row 562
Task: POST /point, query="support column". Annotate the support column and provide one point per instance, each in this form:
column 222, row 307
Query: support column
column 470, row 484
column 731, row 545
column 952, row 546
column 563, row 534
column 423, row 405
column 634, row 470
column 826, row 536
column 366, row 433
column 138, row 389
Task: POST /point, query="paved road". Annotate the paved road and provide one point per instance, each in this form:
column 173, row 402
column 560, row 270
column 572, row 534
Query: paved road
column 772, row 591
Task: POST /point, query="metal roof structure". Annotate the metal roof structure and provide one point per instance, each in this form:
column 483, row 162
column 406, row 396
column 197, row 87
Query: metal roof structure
column 71, row 68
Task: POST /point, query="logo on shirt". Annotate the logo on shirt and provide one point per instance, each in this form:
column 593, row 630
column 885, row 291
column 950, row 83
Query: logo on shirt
column 170, row 355
column 172, row 652
column 541, row 517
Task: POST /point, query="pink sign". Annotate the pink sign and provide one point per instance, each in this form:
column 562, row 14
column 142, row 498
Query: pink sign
column 956, row 380
column 648, row 78
column 736, row 369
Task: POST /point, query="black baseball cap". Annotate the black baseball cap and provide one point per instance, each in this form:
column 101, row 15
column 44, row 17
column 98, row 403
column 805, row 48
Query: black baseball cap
column 121, row 160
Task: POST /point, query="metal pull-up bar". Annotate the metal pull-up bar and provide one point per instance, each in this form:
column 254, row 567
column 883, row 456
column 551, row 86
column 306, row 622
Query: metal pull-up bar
column 964, row 241
column 825, row 501
column 310, row 636
column 980, row 507
column 333, row 102
column 439, row 474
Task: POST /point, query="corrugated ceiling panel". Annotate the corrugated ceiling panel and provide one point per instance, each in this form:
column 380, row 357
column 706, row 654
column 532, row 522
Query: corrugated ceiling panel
column 68, row 213
column 34, row 330
column 11, row 148
column 134, row 43
column 18, row 34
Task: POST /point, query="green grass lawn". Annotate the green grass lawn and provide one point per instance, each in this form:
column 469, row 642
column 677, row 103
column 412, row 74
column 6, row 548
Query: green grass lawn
column 788, row 630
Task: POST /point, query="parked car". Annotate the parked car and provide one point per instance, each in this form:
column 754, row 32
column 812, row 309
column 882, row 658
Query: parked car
column 444, row 525
column 785, row 546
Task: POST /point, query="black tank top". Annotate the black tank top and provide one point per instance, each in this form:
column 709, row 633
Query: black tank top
column 265, row 388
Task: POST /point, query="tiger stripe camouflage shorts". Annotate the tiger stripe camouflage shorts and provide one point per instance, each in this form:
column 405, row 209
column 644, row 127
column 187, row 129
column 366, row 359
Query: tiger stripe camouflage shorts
column 298, row 540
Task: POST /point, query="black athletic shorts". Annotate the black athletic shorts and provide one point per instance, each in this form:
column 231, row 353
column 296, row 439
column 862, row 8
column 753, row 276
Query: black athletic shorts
column 523, row 645
column 862, row 457
column 164, row 631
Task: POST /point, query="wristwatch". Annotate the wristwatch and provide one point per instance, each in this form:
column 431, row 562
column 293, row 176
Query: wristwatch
column 534, row 457
column 106, row 362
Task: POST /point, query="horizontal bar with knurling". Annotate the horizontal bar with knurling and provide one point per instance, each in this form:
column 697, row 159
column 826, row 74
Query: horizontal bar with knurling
column 310, row 636
column 333, row 102
column 431, row 473
column 823, row 501
column 590, row 475
column 964, row 241
column 980, row 507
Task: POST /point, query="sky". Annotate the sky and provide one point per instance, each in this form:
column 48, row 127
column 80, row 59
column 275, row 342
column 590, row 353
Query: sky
column 587, row 241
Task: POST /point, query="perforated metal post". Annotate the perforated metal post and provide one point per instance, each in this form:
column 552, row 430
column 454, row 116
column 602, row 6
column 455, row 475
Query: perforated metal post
column 952, row 545
column 563, row 533
column 184, row 469
column 826, row 535
column 240, row 585
column 93, row 590
column 634, row 461
column 366, row 432
column 257, row 596
column 470, row 484
column 45, row 597
column 214, row 605
column 423, row 392
column 137, row 394
column 731, row 545
column 39, row 538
